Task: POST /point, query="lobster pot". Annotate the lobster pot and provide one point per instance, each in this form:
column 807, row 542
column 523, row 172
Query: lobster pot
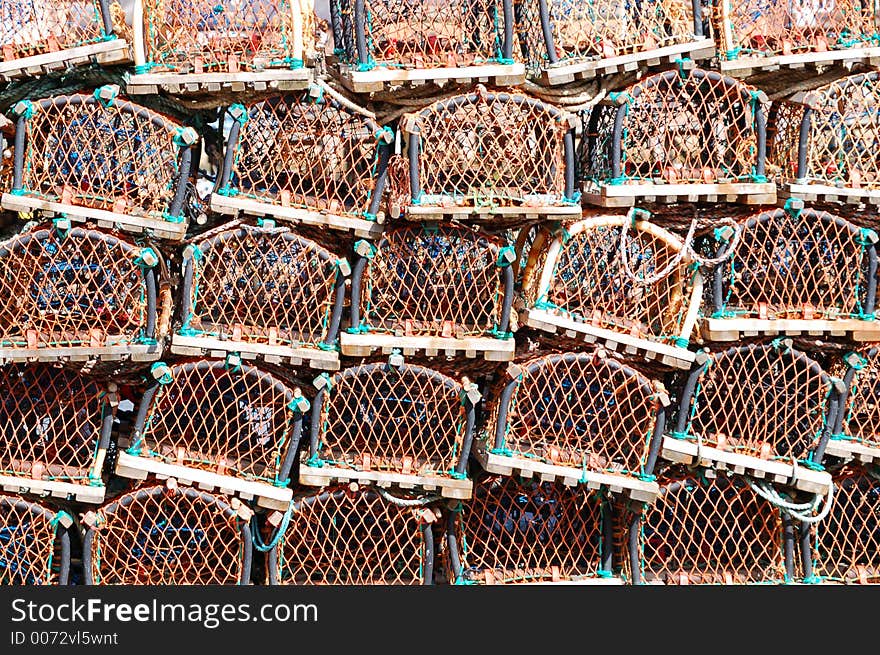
column 219, row 424
column 568, row 40
column 102, row 159
column 844, row 547
column 391, row 424
column 35, row 543
column 382, row 43
column 713, row 530
column 762, row 410
column 54, row 430
column 168, row 536
column 857, row 429
column 80, row 295
column 677, row 135
column 202, row 46
column 492, row 155
column 824, row 144
column 517, row 531
column 614, row 280
column 263, row 291
column 432, row 288
column 343, row 537
column 580, row 418
column 305, row 159
column 42, row 36
column 796, row 272
column 760, row 34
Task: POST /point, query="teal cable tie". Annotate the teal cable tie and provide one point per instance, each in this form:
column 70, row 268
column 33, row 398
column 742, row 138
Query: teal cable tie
column 24, row 109
column 500, row 334
column 295, row 63
column 505, row 61
column 602, row 573
column 147, row 258
column 457, row 476
column 681, row 342
column 645, row 477
column 60, row 517
column 813, row 579
column 106, row 102
column 315, row 462
column 675, row 434
column 504, row 452
column 19, row 192
column 791, row 208
column 328, row 347
column 171, row 218
column 239, row 113
column 165, row 376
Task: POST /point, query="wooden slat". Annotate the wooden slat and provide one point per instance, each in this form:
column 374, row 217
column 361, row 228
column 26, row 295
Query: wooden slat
column 104, row 52
column 380, row 77
column 626, row 195
column 280, row 79
column 853, row 450
column 84, row 493
column 448, row 487
column 732, row 329
column 199, row 346
column 827, row 193
column 134, row 352
column 438, row 213
column 267, row 495
column 746, row 66
column 363, row 345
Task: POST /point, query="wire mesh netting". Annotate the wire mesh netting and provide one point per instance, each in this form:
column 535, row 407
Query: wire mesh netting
column 584, row 31
column 34, row 546
column 579, row 271
column 442, row 281
column 831, row 136
column 580, row 410
column 306, row 152
column 524, row 531
column 767, row 28
column 846, row 544
column 426, row 34
column 344, row 537
column 402, row 419
column 206, row 36
column 677, row 127
column 711, row 531
column 102, row 152
column 53, row 423
column 263, row 285
column 36, row 27
column 78, row 288
column 488, row 149
column 229, row 419
column 860, row 414
column 788, row 264
column 766, row 401
column 162, row 536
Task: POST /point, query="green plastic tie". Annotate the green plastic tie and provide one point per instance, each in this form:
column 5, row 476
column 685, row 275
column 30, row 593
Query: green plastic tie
column 327, row 347
column 239, row 113
column 59, row 517
column 106, row 102
column 602, row 573
column 792, row 208
column 173, row 219
column 365, row 249
column 165, row 376
column 315, row 462
column 867, row 237
column 620, row 97
column 62, row 225
column 147, row 258
column 457, row 476
column 506, row 256
column 504, row 452
column 681, row 342
column 24, row 109
column 679, row 435
column 860, row 363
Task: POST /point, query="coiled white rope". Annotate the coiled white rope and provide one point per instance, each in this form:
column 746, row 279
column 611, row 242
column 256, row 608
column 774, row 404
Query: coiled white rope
column 804, row 512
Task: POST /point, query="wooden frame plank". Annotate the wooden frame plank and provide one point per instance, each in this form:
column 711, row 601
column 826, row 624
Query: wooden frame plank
column 103, row 52
column 569, row 476
column 276, row 79
column 626, row 195
column 455, row 212
column 313, row 476
column 380, row 77
column 235, row 205
column 266, row 495
column 684, row 451
column 107, row 219
column 850, row 449
column 615, row 341
column 746, row 66
column 362, row 345
column 827, row 193
column 84, row 493
column 204, row 345
column 563, row 72
column 133, row 352
column 732, row 329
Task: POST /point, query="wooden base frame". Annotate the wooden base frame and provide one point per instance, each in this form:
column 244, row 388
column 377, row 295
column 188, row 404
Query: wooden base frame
column 828, row 193
column 363, row 345
column 742, row 67
column 382, row 77
column 83, row 493
column 436, row 213
column 271, row 80
column 115, row 51
column 205, row 346
column 313, row 476
column 733, row 329
column 849, row 449
column 131, row 352
column 628, row 195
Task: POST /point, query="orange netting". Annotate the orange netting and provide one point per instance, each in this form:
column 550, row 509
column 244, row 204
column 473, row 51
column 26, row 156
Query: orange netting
column 344, row 537
column 842, row 129
column 53, row 423
column 711, row 531
column 579, row 271
column 207, row 36
column 491, row 149
column 525, row 531
column 263, row 285
column 424, row 34
column 37, row 27
column 404, row 419
column 846, row 544
column 807, row 264
column 599, row 30
column 766, row 28
column 677, row 127
column 580, row 410
column 31, row 552
column 214, row 416
column 78, row 288
column 766, row 401
column 437, row 280
column 306, row 152
column 103, row 152
column 860, row 414
column 161, row 536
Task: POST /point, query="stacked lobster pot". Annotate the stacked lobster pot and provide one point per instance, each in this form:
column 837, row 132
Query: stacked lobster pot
column 383, row 292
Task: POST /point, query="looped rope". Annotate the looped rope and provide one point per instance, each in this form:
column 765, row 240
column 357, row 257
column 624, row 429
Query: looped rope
column 687, row 248
column 257, row 538
column 804, row 512
column 406, row 502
